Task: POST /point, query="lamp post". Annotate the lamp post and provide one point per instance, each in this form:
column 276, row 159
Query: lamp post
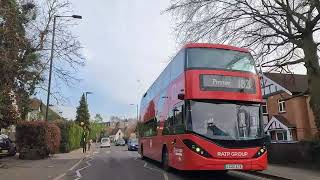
column 86, row 93
column 51, row 57
column 137, row 106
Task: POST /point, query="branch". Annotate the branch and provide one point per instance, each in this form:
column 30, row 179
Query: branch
column 285, row 63
column 297, row 95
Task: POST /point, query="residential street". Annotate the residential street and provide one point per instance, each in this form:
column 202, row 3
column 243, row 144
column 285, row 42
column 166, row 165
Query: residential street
column 119, row 164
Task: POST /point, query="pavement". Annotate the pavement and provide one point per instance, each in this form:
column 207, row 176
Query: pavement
column 52, row 168
column 286, row 172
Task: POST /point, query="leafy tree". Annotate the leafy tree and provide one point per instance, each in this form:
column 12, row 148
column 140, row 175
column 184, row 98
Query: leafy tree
column 18, row 66
column 83, row 113
column 25, row 33
column 98, row 118
column 280, row 33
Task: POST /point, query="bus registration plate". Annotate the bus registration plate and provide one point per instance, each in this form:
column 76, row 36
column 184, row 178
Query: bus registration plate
column 233, row 166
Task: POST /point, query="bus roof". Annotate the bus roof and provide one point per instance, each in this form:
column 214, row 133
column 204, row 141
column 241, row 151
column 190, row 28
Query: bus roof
column 215, row 46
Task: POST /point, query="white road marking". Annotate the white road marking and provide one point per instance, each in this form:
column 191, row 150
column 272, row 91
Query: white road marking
column 74, row 166
column 78, row 171
column 60, row 176
column 153, row 169
column 165, row 176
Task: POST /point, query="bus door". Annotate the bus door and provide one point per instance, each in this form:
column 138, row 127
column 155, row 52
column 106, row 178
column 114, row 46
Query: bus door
column 178, row 127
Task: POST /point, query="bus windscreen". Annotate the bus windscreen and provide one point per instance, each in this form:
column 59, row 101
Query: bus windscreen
column 210, row 58
column 226, row 121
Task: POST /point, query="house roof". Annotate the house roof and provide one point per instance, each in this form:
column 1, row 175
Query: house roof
column 284, row 121
column 296, row 83
column 35, row 104
column 115, row 130
column 278, row 122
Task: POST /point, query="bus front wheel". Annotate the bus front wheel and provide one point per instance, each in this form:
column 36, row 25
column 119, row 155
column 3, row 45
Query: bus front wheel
column 141, row 152
column 165, row 159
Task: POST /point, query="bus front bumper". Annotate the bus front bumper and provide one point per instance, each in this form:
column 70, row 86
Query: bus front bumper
column 196, row 162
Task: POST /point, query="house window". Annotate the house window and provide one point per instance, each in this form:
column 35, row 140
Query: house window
column 281, row 136
column 264, row 108
column 282, row 106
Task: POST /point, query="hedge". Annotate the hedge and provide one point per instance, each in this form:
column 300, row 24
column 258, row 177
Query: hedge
column 95, row 131
column 37, row 139
column 70, row 135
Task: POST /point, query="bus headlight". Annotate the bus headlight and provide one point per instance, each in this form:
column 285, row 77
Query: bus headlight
column 196, row 148
column 260, row 152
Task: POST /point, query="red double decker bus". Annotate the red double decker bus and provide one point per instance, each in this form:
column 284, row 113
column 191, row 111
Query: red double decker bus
column 204, row 112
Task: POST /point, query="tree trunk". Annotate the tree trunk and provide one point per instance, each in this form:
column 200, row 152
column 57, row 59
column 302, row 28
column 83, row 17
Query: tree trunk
column 313, row 72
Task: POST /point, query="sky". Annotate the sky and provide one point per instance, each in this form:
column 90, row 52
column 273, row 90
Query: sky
column 127, row 44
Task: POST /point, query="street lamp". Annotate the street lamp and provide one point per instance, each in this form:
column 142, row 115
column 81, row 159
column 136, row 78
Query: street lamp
column 137, row 106
column 51, row 57
column 86, row 93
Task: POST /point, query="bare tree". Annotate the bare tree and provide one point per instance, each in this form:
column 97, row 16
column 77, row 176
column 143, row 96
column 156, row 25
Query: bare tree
column 280, row 33
column 67, row 56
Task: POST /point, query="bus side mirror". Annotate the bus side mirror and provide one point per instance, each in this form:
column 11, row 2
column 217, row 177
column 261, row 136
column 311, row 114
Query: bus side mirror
column 181, row 96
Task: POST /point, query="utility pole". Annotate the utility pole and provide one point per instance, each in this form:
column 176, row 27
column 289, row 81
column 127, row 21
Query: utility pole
column 51, row 58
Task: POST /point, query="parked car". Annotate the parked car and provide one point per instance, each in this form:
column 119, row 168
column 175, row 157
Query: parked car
column 7, row 147
column 120, row 142
column 133, row 145
column 105, row 143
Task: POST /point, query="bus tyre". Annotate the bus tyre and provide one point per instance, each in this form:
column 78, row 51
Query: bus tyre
column 221, row 172
column 141, row 152
column 165, row 160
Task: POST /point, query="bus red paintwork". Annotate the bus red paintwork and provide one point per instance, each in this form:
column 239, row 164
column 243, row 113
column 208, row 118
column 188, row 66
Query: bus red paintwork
column 180, row 156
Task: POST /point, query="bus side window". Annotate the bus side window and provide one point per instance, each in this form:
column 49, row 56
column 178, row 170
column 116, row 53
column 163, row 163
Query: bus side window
column 168, row 124
column 179, row 125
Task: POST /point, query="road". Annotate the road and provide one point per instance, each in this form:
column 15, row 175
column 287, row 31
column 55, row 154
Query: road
column 117, row 163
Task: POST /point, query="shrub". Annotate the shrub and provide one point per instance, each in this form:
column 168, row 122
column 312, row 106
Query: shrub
column 37, row 139
column 75, row 133
column 95, row 131
column 70, row 135
column 315, row 149
column 53, row 138
column 64, row 142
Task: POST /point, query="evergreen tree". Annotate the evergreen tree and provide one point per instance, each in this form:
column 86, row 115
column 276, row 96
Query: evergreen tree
column 83, row 113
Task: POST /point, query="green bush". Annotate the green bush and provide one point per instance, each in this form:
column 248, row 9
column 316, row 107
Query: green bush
column 95, row 131
column 64, row 142
column 70, row 135
column 37, row 139
column 75, row 134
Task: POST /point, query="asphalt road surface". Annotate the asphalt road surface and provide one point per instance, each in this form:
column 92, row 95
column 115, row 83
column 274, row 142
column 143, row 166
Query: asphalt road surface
column 116, row 163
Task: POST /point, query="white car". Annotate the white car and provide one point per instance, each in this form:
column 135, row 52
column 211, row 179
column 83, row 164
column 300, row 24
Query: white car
column 105, row 142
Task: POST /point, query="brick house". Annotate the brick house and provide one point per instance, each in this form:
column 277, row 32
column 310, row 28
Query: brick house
column 287, row 114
